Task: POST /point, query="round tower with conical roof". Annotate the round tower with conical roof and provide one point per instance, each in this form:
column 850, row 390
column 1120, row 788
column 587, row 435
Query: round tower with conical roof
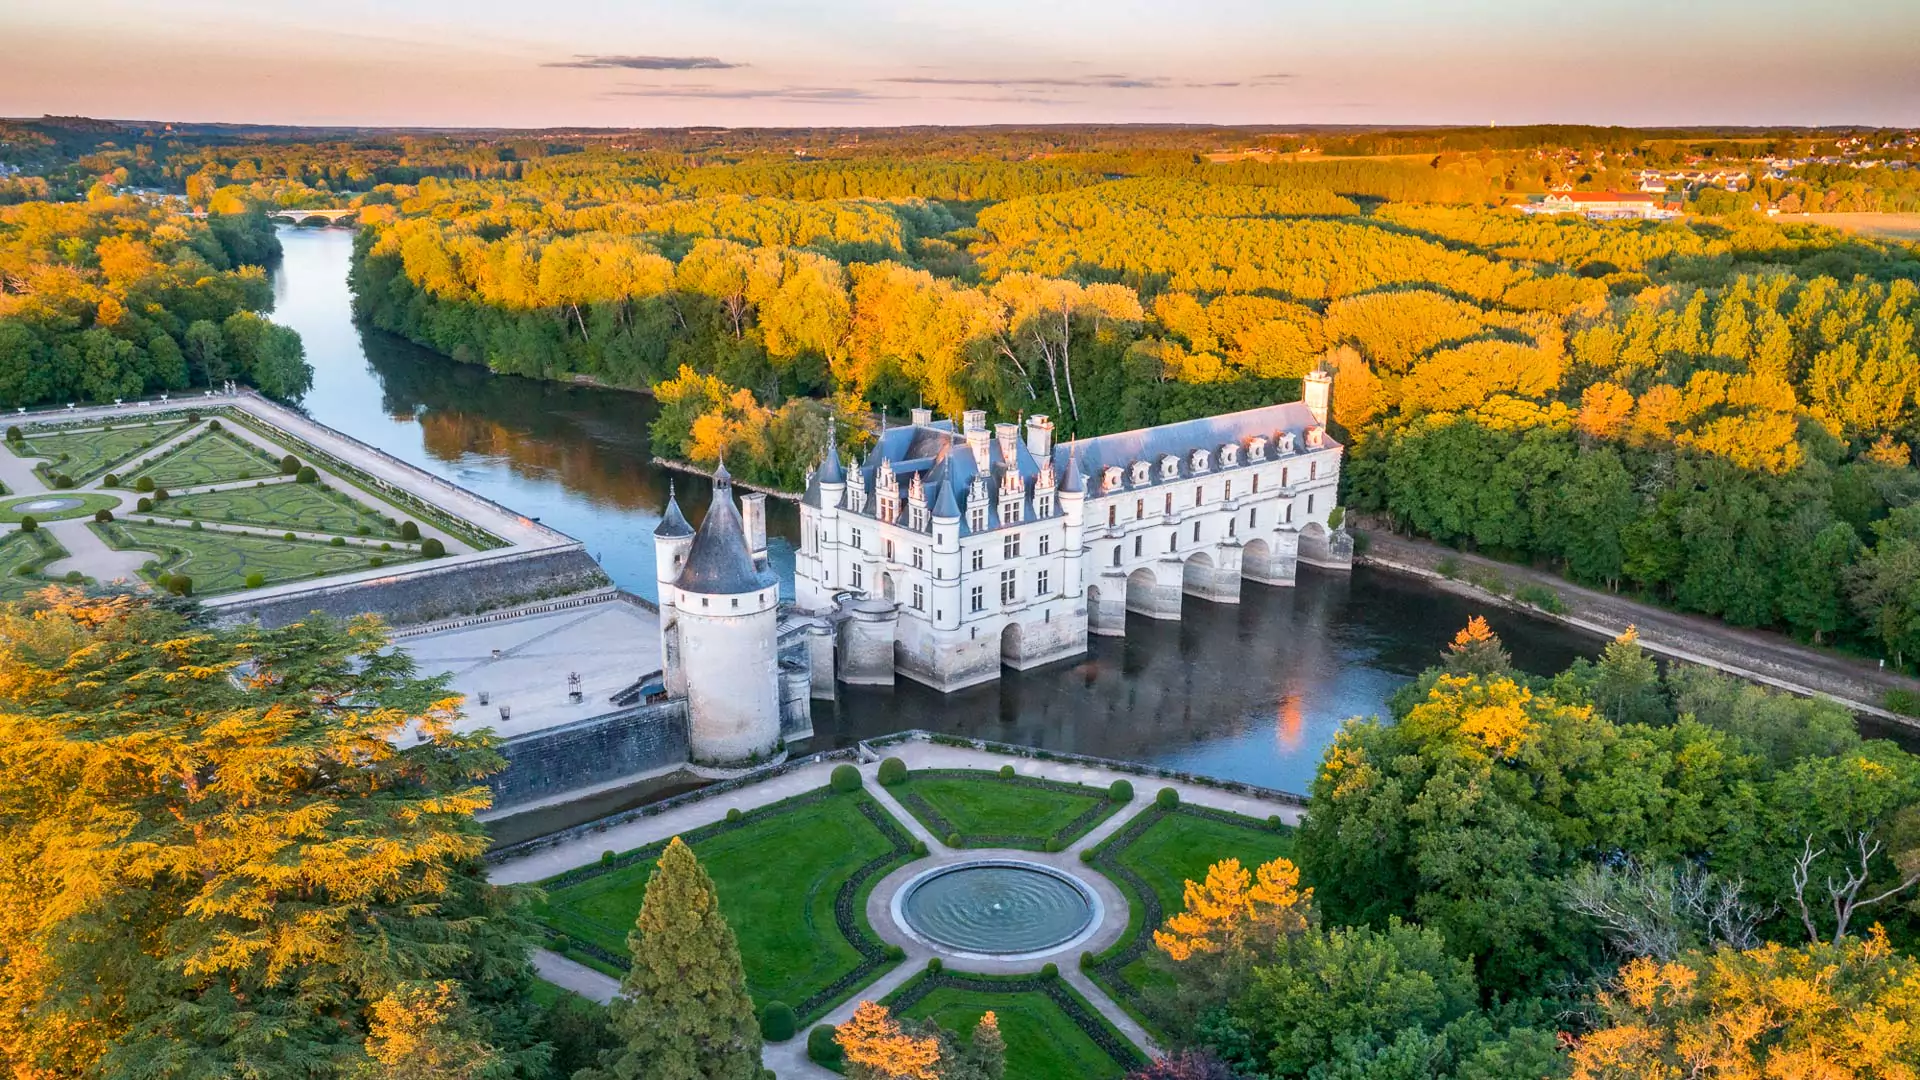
column 671, row 539
column 719, row 627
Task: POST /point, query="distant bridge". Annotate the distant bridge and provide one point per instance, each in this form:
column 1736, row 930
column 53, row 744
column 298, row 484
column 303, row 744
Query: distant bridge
column 296, row 215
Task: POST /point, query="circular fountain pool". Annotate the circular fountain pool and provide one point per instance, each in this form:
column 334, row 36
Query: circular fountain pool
column 997, row 908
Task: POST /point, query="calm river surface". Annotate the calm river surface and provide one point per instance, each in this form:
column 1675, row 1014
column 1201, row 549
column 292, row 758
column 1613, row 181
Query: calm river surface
column 1252, row 692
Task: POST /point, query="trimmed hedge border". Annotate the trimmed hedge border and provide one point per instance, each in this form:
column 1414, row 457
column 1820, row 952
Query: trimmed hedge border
column 937, row 823
column 1083, row 1016
column 848, row 906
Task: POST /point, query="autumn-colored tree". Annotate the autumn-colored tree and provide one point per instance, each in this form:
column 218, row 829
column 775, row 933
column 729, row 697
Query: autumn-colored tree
column 1842, row 1011
column 1233, row 910
column 1476, row 650
column 426, row 1031
column 877, row 1047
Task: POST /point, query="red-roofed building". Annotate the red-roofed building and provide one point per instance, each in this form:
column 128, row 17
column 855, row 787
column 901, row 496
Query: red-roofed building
column 1601, row 205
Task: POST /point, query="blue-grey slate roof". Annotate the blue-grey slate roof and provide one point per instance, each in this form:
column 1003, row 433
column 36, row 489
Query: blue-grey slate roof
column 718, row 562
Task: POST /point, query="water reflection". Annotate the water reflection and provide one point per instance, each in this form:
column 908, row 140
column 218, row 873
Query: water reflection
column 1251, row 692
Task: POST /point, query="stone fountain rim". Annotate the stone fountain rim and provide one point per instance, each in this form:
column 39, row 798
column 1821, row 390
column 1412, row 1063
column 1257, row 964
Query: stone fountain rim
column 1096, row 918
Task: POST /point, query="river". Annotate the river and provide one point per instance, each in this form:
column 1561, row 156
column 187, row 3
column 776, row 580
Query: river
column 1251, row 692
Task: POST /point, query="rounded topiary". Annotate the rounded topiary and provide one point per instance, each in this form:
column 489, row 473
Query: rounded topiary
column 896, row 954
column 606, row 857
column 289, row 465
column 24, row 570
column 27, row 524
column 180, row 585
column 1086, row 856
column 734, row 814
column 338, row 541
column 934, row 965
column 63, row 481
column 376, row 561
column 161, row 495
column 1050, row 971
column 193, row 417
column 145, row 483
column 256, row 579
column 1006, row 772
column 110, row 480
column 1053, row 844
column 1120, row 791
column 821, row 1049
column 75, row 577
column 953, row 839
column 362, row 530
column 143, row 505
column 1167, row 799
column 919, row 848
column 286, row 536
column 432, row 548
column 1274, row 823
column 306, row 475
column 14, row 434
column 213, row 425
column 199, row 526
column 1086, row 961
column 386, row 547
column 845, row 778
column 777, row 1022
column 409, row 531
column 892, row 771
column 103, row 515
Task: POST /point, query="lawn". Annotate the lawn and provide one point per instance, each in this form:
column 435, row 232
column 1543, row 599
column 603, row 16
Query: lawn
column 219, row 562
column 211, row 457
column 14, row 509
column 985, row 809
column 1044, row 1022
column 30, row 551
column 1151, row 860
column 281, row 505
column 89, row 453
column 781, row 871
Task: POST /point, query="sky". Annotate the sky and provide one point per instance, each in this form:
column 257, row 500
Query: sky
column 647, row 63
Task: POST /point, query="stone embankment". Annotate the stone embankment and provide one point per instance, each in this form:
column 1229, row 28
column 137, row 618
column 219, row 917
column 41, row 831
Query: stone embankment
column 1763, row 656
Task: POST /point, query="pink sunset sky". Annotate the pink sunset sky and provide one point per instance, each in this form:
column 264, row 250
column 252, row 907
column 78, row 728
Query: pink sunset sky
column 640, row 63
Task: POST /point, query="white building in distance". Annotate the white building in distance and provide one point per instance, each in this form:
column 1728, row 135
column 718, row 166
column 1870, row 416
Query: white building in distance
column 949, row 553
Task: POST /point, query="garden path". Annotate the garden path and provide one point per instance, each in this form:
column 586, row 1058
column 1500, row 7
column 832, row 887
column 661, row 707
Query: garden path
column 17, row 473
column 90, row 555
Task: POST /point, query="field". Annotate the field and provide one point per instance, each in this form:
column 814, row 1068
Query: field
column 983, row 809
column 780, row 872
column 282, row 505
column 88, row 454
column 1884, row 226
column 220, row 562
column 1049, row 1029
column 212, row 457
column 1151, row 860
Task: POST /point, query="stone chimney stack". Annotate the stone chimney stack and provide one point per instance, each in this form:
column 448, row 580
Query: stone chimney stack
column 1039, row 436
column 1009, row 437
column 973, row 424
column 1319, row 394
column 753, row 521
column 922, row 417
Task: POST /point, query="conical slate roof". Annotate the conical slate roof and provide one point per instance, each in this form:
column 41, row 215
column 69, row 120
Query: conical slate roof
column 1076, row 481
column 944, row 505
column 830, row 470
column 672, row 523
column 718, row 562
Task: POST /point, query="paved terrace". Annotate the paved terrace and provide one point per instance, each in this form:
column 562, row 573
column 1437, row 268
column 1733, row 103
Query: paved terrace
column 789, row 1059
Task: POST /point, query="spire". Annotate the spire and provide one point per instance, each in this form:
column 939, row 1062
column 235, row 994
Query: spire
column 672, row 522
column 718, row 562
column 1076, row 481
column 830, row 470
column 944, row 506
column 722, row 479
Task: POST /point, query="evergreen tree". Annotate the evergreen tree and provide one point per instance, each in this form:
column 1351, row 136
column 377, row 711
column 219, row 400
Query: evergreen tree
column 684, row 1013
column 1626, row 683
column 1476, row 650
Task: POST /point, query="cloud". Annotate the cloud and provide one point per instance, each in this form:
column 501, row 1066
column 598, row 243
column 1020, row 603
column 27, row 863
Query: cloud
column 1273, row 79
column 645, row 63
column 1109, row 81
column 818, row 95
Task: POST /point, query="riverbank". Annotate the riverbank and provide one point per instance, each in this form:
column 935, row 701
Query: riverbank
column 694, row 470
column 1761, row 656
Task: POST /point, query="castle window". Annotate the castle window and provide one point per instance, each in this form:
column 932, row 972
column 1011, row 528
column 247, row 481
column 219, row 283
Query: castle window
column 1043, row 506
column 1253, row 517
column 1140, row 473
column 977, row 519
column 1173, row 541
column 1233, row 526
column 1169, row 467
column 736, row 601
column 1199, row 494
column 1046, row 543
column 1009, row 586
column 919, row 558
column 703, row 602
column 1136, row 546
column 919, row 598
column 1010, row 512
column 887, row 547
column 977, row 598
column 1139, row 509
column 1196, row 532
column 858, row 577
column 1313, row 470
column 1010, row 547
column 1283, row 477
column 1309, row 504
column 1116, row 554
column 1199, row 461
column 1111, row 481
column 979, row 558
column 1169, row 502
column 917, row 518
column 853, row 537
column 1040, row 584
column 1227, row 493
column 1257, row 449
column 1113, row 516
column 1229, row 454
column 1289, row 513
column 1256, row 483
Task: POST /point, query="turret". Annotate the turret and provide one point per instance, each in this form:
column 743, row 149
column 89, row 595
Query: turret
column 726, row 613
column 671, row 538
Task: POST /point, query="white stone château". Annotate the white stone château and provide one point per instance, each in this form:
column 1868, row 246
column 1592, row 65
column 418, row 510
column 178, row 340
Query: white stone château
column 948, row 553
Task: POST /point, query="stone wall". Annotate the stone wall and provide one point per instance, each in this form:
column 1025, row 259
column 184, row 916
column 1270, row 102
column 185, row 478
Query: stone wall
column 541, row 764
column 417, row 594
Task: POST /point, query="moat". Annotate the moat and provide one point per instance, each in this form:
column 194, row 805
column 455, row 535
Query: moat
column 1252, row 692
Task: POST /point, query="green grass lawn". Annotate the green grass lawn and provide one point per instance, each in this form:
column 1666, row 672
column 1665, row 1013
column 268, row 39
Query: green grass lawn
column 90, row 453
column 1151, row 860
column 779, row 873
column 32, row 551
column 282, row 505
column 219, row 562
column 1043, row 1040
column 14, row 509
column 211, row 457
column 987, row 810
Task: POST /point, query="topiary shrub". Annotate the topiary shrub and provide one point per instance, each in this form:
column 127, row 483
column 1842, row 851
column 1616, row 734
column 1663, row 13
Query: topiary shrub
column 1086, row 856
column 143, row 505
column 409, row 531
column 1120, row 791
column 1167, row 799
column 934, row 965
column 892, row 771
column 432, row 548
column 386, row 547
column 1274, row 823
column 75, row 577
column 145, row 483
column 1053, row 844
column 1006, row 772
column 734, row 814
column 777, row 1022
column 214, row 424
column 1086, row 961
column 289, row 465
column 63, row 481
column 180, row 585
column 896, row 954
column 110, row 480
column 338, row 541
column 199, row 526
column 286, row 536
column 161, row 495
column 27, row 524
column 1050, row 971
column 953, row 840
column 14, row 434
column 306, row 475
column 103, row 515
column 376, row 561
column 256, row 579
column 845, row 778
column 821, row 1049
column 919, row 849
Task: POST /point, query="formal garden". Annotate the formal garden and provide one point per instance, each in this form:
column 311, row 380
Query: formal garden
column 220, row 561
column 79, row 456
column 22, row 556
column 972, row 810
column 211, row 457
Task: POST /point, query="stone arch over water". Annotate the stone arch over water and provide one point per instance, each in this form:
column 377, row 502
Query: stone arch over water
column 1011, row 644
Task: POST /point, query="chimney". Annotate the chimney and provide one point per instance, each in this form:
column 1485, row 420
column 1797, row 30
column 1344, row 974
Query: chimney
column 1009, row 437
column 753, row 521
column 922, row 417
column 1319, row 394
column 974, row 423
column 1039, row 436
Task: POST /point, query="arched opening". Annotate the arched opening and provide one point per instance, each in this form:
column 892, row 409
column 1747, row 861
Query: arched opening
column 1109, row 618
column 1256, row 560
column 1315, row 546
column 886, row 587
column 1196, row 576
column 1146, row 595
column 1010, row 645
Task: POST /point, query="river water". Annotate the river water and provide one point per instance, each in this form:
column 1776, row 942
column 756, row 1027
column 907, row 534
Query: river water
column 1251, row 692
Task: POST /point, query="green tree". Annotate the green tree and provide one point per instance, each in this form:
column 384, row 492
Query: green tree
column 684, row 1012
column 206, row 352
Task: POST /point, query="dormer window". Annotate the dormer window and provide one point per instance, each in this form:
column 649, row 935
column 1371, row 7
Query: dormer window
column 977, row 518
column 917, row 517
column 1286, row 442
column 1111, row 478
column 1043, row 505
column 1010, row 512
column 1199, row 460
column 1169, row 467
column 1257, row 448
column 1316, row 436
column 1229, row 456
